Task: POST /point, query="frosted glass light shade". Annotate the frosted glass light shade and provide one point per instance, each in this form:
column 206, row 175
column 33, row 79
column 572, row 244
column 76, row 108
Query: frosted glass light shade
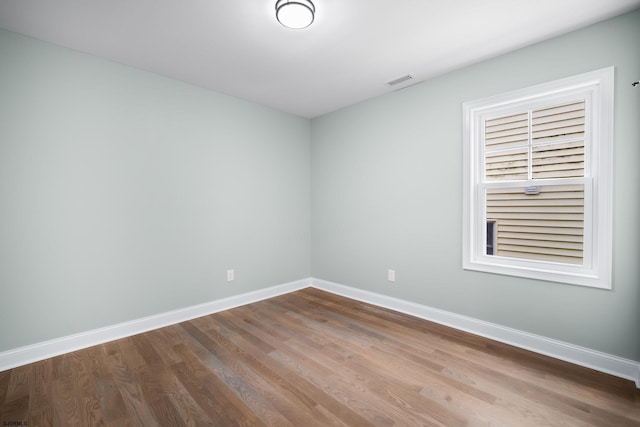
column 295, row 14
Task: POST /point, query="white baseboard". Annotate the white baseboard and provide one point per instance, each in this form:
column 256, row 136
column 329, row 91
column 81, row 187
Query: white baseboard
column 593, row 359
column 44, row 350
column 582, row 356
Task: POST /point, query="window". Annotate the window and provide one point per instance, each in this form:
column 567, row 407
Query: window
column 537, row 181
column 491, row 236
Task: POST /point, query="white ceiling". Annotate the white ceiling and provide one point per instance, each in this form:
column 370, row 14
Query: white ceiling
column 347, row 55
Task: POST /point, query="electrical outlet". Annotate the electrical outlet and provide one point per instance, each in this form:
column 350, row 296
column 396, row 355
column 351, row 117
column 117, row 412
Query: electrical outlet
column 230, row 275
column 391, row 275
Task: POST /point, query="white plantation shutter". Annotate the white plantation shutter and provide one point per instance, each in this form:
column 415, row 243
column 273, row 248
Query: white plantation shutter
column 548, row 226
column 545, row 143
column 506, row 148
column 534, row 145
column 537, row 171
column 558, row 141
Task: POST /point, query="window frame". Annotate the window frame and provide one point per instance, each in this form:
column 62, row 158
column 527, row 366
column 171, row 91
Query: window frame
column 596, row 88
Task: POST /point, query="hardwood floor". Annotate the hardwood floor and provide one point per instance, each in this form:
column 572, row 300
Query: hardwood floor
column 311, row 358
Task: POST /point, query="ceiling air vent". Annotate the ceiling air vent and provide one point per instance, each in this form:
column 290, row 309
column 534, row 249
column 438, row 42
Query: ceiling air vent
column 399, row 80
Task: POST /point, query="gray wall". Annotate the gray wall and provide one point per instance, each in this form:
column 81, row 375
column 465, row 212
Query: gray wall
column 386, row 194
column 124, row 194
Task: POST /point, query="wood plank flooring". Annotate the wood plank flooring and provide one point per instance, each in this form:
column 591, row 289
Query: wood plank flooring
column 311, row 358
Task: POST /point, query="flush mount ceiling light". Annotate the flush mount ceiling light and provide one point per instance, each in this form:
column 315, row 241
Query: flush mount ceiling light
column 295, row 14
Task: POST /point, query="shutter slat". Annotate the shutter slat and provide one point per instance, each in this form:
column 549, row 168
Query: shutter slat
column 544, row 251
column 557, row 124
column 547, row 196
column 538, row 120
column 561, row 146
column 533, row 245
column 538, row 216
column 520, row 124
column 575, row 173
column 494, row 133
column 546, row 189
column 504, row 166
column 569, row 155
column 559, row 109
column 516, row 154
column 496, row 211
column 534, row 202
column 544, row 237
column 513, row 170
column 568, row 131
column 551, row 166
column 578, row 225
column 559, row 231
column 514, row 140
column 506, row 119
column 543, row 257
column 558, row 139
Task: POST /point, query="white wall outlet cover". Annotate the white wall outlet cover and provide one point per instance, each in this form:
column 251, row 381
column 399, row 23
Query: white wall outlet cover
column 391, row 275
column 230, row 275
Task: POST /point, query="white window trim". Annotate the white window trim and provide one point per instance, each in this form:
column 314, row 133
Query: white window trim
column 597, row 86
